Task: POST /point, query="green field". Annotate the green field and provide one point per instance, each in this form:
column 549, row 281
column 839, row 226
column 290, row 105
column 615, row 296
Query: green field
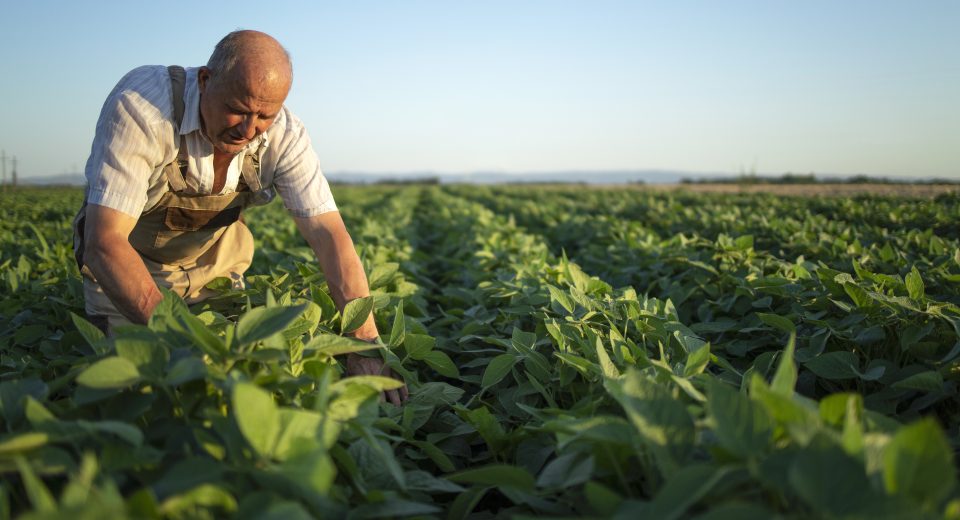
column 570, row 352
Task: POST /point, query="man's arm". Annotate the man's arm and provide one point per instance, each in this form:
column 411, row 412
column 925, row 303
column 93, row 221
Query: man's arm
column 116, row 265
column 328, row 237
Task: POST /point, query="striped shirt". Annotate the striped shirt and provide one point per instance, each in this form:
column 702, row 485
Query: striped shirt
column 134, row 140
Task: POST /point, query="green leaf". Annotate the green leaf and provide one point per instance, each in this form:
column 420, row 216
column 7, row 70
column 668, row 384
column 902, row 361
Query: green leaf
column 306, row 322
column 109, row 373
column 382, row 274
column 442, row 363
column 662, row 421
column 378, row 383
column 835, row 365
column 355, row 314
column 202, row 497
column 785, row 378
column 562, row 299
column 418, row 345
column 606, row 365
column 185, row 370
column 497, row 369
column 257, row 417
column 697, row 361
column 918, row 463
column 261, row 323
column 328, row 309
column 293, row 427
column 487, row 425
column 778, row 322
column 23, row 443
column 742, row 425
column 929, row 381
column 602, row 499
column 89, row 331
column 831, row 482
column 684, row 489
column 914, row 283
column 333, row 345
column 40, row 497
column 496, row 475
column 150, row 357
column 399, row 328
column 566, row 471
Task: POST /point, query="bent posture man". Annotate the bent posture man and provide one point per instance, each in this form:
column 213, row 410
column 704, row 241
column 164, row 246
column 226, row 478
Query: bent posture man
column 178, row 154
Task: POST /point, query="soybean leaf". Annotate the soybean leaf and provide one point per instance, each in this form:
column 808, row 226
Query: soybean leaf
column 355, row 314
column 399, row 329
column 918, row 463
column 333, row 345
column 742, row 425
column 777, row 322
column 442, row 363
column 418, row 345
column 914, row 283
column 929, row 381
column 261, row 323
column 497, row 369
column 257, row 417
column 496, row 475
column 834, row 365
column 697, row 361
column 109, row 373
column 785, row 378
column 89, row 331
column 831, row 482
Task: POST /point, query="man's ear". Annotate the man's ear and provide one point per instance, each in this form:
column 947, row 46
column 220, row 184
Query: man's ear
column 203, row 76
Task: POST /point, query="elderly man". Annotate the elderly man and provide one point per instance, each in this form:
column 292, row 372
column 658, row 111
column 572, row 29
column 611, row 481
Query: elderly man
column 177, row 155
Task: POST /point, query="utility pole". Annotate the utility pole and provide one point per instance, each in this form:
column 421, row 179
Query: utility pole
column 14, row 171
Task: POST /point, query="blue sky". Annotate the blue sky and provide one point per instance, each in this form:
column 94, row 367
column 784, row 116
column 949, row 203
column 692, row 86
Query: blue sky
column 525, row 86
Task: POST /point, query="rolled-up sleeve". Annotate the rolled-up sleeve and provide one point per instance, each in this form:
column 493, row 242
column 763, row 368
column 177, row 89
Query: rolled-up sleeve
column 298, row 178
column 125, row 150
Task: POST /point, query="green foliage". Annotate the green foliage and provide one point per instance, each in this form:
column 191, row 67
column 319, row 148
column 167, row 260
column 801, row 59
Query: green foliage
column 569, row 353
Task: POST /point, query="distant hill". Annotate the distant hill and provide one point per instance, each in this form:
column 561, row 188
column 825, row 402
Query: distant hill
column 586, row 177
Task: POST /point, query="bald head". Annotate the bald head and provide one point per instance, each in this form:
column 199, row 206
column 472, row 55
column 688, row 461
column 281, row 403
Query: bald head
column 242, row 89
column 251, row 57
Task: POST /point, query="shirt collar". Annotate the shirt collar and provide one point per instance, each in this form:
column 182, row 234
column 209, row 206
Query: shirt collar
column 191, row 111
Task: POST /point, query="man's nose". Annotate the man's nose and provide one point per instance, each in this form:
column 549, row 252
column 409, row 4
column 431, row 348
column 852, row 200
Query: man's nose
column 249, row 127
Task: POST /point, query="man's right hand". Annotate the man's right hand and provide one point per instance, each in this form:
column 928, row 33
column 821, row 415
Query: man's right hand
column 117, row 267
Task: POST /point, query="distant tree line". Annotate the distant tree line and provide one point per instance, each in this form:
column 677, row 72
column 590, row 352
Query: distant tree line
column 810, row 178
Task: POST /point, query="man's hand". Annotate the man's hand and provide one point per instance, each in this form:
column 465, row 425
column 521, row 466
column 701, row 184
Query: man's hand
column 358, row 365
column 328, row 237
column 117, row 267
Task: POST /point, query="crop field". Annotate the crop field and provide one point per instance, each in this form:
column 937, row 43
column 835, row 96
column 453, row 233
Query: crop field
column 570, row 352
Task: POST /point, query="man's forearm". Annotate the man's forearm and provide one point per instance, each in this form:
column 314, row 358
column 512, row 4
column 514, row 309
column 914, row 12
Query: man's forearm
column 347, row 281
column 333, row 246
column 124, row 279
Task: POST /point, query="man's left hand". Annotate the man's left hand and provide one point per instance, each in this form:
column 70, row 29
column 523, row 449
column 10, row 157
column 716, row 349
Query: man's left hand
column 358, row 365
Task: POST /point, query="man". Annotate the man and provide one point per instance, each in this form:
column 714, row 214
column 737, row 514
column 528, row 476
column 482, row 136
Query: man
column 177, row 155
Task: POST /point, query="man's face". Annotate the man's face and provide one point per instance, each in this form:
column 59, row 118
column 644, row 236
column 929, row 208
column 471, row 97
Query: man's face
column 236, row 109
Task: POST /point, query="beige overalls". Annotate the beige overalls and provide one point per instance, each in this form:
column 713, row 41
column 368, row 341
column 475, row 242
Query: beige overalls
column 185, row 240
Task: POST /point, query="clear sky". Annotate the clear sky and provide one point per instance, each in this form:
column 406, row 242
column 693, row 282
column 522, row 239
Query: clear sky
column 523, row 86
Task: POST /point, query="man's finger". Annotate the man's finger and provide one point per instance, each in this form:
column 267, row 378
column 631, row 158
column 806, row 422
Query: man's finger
column 393, row 397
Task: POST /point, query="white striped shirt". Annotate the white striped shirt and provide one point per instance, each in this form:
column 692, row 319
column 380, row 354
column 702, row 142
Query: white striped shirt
column 134, row 140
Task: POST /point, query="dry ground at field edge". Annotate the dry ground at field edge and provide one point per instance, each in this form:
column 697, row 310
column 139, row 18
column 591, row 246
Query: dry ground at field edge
column 904, row 190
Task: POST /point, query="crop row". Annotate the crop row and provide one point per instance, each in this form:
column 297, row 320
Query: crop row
column 564, row 358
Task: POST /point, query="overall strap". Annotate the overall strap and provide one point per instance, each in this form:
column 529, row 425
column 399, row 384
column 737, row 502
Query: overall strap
column 176, row 170
column 250, row 169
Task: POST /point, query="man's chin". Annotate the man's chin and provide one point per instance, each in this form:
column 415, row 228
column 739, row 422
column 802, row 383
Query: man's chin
column 231, row 148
